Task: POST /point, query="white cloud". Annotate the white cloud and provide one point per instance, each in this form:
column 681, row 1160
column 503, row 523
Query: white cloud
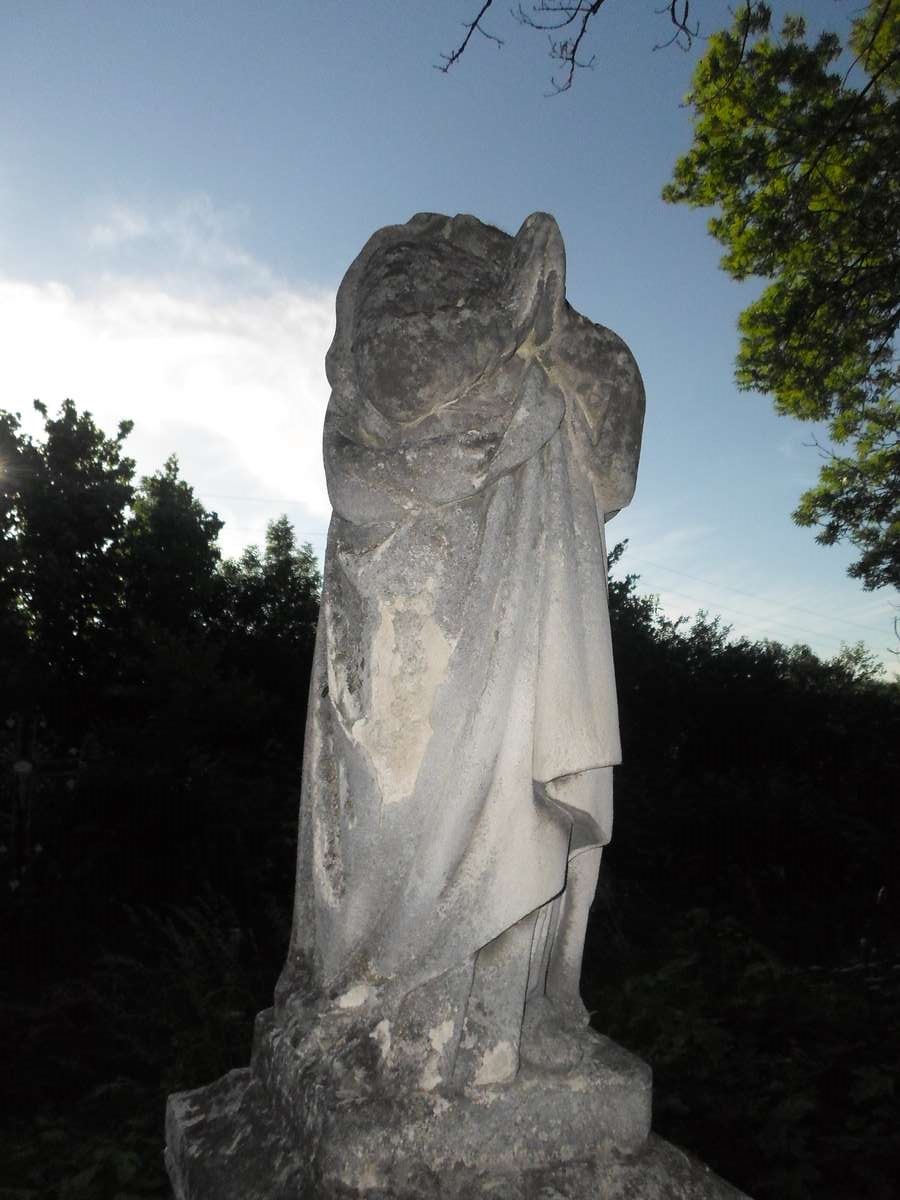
column 119, row 226
column 235, row 385
column 193, row 240
column 213, row 356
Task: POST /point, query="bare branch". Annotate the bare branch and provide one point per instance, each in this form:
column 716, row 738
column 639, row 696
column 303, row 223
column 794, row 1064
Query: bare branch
column 566, row 13
column 550, row 16
column 679, row 14
column 566, row 51
column 470, row 27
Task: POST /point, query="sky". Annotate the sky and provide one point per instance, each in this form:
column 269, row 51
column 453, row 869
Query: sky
column 183, row 185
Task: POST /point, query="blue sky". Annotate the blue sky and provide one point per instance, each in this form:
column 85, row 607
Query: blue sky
column 182, row 186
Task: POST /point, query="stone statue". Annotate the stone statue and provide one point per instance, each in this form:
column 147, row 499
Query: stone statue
column 462, row 726
column 428, row 1031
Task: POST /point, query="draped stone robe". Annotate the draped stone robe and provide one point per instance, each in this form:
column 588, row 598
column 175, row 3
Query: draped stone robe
column 462, row 693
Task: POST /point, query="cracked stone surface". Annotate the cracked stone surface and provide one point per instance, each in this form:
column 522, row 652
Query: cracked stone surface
column 223, row 1142
column 428, row 1036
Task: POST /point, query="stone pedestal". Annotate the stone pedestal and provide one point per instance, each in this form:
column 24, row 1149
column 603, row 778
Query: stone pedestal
column 289, row 1129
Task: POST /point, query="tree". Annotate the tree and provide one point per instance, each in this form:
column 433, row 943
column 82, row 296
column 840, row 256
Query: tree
column 87, row 559
column 63, row 508
column 573, row 19
column 269, row 612
column 802, row 164
column 172, row 553
column 156, row 692
column 277, row 592
column 804, row 168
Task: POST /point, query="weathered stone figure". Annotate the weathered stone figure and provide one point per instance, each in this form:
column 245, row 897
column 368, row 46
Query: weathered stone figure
column 428, row 1037
column 463, row 727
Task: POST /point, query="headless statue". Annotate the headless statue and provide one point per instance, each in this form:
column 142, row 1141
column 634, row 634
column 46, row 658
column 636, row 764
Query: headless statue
column 462, row 728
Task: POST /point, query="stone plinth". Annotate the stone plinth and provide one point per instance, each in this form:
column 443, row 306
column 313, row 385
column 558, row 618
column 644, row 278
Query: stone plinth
column 221, row 1147
column 373, row 1140
column 287, row 1129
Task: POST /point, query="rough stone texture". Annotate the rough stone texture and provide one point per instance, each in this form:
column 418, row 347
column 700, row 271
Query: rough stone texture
column 428, row 1036
column 222, row 1143
column 366, row 1131
column 462, row 722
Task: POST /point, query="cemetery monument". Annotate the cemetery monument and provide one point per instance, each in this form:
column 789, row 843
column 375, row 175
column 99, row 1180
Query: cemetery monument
column 428, row 1036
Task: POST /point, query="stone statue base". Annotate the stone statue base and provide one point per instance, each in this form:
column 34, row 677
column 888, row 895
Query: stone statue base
column 287, row 1129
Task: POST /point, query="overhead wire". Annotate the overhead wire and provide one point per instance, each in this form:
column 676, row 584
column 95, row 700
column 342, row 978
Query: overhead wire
column 756, row 596
column 756, row 618
column 706, row 605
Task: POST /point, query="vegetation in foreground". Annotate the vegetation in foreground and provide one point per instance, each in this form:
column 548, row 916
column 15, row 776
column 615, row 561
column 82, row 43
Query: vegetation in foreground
column 744, row 940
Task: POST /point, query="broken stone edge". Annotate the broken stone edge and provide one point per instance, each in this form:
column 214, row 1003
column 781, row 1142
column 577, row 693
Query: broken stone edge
column 238, row 1139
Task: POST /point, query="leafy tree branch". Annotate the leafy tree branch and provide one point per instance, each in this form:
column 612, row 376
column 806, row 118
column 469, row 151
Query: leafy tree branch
column 802, row 170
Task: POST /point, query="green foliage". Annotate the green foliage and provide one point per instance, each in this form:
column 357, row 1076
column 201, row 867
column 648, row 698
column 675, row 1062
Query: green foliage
column 93, row 570
column 152, row 853
column 803, row 168
column 110, row 590
column 171, row 553
column 751, row 773
column 168, row 763
column 277, row 591
column 783, row 1076
column 63, row 509
column 759, row 782
column 268, row 615
column 109, row 1152
column 179, row 1009
column 174, row 1013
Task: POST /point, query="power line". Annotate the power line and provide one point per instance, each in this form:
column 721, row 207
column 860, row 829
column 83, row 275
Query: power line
column 755, row 596
column 255, row 499
column 304, row 533
column 756, row 617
